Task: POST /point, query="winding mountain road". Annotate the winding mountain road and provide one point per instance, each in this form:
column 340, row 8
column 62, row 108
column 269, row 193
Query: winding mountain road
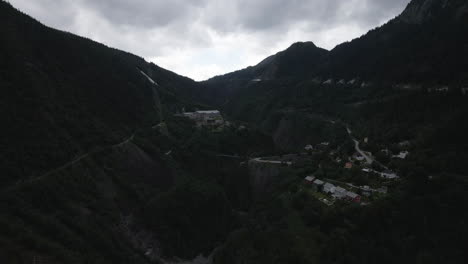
column 84, row 156
column 369, row 160
column 73, row 162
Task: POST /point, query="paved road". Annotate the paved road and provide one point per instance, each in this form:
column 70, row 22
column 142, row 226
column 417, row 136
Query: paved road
column 260, row 160
column 74, row 161
column 369, row 160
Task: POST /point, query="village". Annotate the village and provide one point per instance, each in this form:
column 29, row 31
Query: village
column 206, row 118
column 358, row 178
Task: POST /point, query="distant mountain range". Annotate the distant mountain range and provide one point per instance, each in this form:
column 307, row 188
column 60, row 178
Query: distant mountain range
column 422, row 45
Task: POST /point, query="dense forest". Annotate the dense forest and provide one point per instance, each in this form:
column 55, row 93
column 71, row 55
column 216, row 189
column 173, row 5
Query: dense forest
column 100, row 166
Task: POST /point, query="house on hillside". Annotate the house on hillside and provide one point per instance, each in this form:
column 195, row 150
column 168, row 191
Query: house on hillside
column 388, row 174
column 206, row 118
column 329, row 188
column 404, row 144
column 385, row 151
column 319, row 182
column 325, row 144
column 354, row 197
column 439, row 89
column 402, row 155
column 348, row 165
column 442, row 89
column 358, row 157
column 366, row 191
column 339, row 193
column 309, row 179
column 383, row 190
column 309, row 148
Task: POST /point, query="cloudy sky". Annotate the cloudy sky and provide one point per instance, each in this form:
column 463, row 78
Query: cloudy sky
column 203, row 38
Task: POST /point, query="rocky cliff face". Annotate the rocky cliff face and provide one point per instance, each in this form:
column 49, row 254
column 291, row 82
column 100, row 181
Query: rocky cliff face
column 262, row 178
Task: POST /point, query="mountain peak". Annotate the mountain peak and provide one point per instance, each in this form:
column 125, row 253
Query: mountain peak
column 421, row 11
column 299, row 45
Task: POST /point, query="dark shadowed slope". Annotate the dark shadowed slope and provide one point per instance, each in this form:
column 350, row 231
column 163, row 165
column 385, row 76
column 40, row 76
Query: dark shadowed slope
column 63, row 95
column 424, row 44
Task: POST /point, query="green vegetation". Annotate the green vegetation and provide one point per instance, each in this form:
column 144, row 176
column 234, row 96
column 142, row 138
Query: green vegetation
column 97, row 168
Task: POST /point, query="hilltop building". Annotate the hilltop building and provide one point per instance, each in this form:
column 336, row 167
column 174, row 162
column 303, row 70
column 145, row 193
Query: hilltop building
column 206, row 118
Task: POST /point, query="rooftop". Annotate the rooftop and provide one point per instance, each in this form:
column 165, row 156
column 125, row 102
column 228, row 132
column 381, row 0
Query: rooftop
column 208, row 112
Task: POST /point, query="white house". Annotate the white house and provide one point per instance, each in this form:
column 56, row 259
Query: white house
column 309, row 148
column 389, row 174
column 206, row 118
column 309, row 179
column 366, row 84
column 402, row 155
column 442, row 89
column 339, row 193
column 329, row 188
column 358, row 157
column 404, row 143
column 319, row 182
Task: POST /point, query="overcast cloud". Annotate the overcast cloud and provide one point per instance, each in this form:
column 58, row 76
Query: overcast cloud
column 203, row 38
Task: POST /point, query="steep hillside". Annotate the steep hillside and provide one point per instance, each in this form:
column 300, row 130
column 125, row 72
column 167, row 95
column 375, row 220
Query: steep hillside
column 296, row 62
column 63, row 95
column 423, row 44
column 422, row 49
column 95, row 167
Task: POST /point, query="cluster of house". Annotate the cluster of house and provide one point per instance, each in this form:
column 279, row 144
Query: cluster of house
column 342, row 82
column 442, row 89
column 387, row 174
column 357, row 157
column 446, row 89
column 336, row 192
column 367, row 191
column 206, row 118
column 320, row 146
column 402, row 155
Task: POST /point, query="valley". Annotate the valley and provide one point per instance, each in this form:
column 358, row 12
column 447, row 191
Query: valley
column 350, row 155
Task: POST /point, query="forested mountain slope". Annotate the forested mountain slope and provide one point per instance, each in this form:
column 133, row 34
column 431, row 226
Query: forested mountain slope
column 96, row 167
column 423, row 45
column 63, row 95
column 93, row 159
